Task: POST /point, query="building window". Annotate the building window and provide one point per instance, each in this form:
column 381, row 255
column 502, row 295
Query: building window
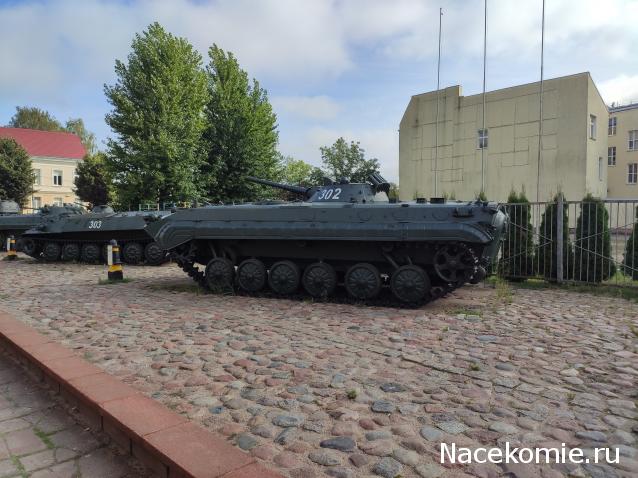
column 600, row 168
column 632, row 173
column 611, row 156
column 37, row 181
column 592, row 126
column 36, row 203
column 633, row 140
column 482, row 138
column 58, row 202
column 57, row 178
column 611, row 129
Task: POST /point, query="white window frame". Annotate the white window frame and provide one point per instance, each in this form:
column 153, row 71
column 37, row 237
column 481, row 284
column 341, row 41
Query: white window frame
column 483, row 139
column 58, row 201
column 36, row 203
column 611, row 156
column 54, row 175
column 592, row 126
column 612, row 125
column 633, row 140
column 37, row 180
column 632, row 173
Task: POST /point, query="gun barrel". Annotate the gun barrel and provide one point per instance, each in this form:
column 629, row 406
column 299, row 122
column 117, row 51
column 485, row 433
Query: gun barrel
column 285, row 187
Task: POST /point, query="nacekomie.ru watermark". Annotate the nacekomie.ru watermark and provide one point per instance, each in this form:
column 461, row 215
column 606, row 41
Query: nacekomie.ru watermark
column 512, row 454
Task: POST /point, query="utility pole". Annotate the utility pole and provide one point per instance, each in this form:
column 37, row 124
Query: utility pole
column 484, row 71
column 436, row 126
column 540, row 107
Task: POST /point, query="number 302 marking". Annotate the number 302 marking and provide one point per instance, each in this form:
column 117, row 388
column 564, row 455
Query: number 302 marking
column 95, row 224
column 330, row 193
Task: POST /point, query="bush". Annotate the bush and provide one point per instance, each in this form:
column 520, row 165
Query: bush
column 593, row 242
column 630, row 260
column 548, row 242
column 517, row 258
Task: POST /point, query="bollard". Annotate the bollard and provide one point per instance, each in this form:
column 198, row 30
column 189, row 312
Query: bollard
column 11, row 248
column 115, row 264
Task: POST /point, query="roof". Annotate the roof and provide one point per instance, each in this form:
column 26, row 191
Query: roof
column 630, row 106
column 52, row 144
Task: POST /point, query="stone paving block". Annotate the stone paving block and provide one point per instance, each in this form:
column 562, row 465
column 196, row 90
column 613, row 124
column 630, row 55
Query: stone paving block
column 22, row 442
column 141, row 415
column 66, row 369
column 50, row 351
column 101, row 388
column 102, row 463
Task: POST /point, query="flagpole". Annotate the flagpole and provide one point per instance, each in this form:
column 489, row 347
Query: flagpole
column 436, row 126
column 540, row 104
column 484, row 71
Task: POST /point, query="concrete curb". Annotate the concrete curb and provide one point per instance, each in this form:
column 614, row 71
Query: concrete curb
column 167, row 443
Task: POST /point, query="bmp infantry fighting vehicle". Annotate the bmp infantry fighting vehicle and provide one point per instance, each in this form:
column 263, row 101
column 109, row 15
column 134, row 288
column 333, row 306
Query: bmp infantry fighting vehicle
column 85, row 237
column 342, row 233
column 12, row 223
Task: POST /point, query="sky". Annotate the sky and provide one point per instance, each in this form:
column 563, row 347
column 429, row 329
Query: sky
column 331, row 67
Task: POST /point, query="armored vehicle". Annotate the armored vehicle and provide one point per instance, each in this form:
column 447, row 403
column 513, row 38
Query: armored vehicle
column 85, row 237
column 339, row 234
column 12, row 223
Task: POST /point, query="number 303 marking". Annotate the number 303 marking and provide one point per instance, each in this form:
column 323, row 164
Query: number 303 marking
column 95, row 224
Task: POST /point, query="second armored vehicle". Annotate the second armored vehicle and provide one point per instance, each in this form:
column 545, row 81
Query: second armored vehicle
column 342, row 233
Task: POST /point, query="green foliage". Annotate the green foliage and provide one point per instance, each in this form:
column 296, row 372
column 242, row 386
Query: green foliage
column 548, row 242
column 593, row 243
column 16, row 175
column 517, row 260
column 393, row 194
column 93, row 183
column 76, row 126
column 241, row 132
column 483, row 197
column 32, row 117
column 295, row 171
column 343, row 160
column 157, row 116
column 630, row 260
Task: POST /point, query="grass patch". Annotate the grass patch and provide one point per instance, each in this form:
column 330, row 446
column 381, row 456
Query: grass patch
column 110, row 282
column 20, row 467
column 17, row 258
column 352, row 394
column 474, row 367
column 44, row 437
column 503, row 291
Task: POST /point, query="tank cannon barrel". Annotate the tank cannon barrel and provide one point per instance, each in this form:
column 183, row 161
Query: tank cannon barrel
column 285, row 187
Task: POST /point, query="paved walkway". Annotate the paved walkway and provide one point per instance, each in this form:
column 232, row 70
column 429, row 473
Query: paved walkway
column 40, row 439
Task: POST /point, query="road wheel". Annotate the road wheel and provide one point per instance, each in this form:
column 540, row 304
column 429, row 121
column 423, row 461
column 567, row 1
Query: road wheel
column 319, row 279
column 153, row 254
column 363, row 281
column 51, row 251
column 410, row 284
column 30, row 247
column 70, row 252
column 251, row 275
column 219, row 274
column 90, row 253
column 132, row 253
column 283, row 277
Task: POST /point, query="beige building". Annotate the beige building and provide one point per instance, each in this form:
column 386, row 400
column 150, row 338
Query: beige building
column 54, row 158
column 622, row 152
column 574, row 142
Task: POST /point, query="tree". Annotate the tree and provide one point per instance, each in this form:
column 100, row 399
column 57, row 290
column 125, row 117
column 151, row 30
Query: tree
column 93, row 182
column 517, row 259
column 593, row 242
column 295, row 171
column 630, row 259
column 241, row 132
column 548, row 242
column 16, row 175
column 157, row 103
column 393, row 194
column 76, row 126
column 343, row 160
column 34, row 118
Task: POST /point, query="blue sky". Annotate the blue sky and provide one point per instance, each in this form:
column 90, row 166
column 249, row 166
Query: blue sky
column 332, row 67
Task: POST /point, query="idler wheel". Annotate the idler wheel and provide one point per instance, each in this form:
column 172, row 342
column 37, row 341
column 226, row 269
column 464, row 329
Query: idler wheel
column 363, row 281
column 251, row 275
column 153, row 254
column 454, row 263
column 319, row 279
column 410, row 284
column 90, row 253
column 70, row 252
column 30, row 247
column 479, row 274
column 284, row 277
column 132, row 253
column 51, row 251
column 219, row 274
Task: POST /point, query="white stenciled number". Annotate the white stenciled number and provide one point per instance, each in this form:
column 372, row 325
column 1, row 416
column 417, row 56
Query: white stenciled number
column 330, row 193
column 337, row 192
column 95, row 224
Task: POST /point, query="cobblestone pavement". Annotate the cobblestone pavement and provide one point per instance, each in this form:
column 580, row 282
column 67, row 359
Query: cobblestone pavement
column 40, row 439
column 318, row 389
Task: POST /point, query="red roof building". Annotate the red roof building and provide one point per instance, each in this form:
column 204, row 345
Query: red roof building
column 48, row 144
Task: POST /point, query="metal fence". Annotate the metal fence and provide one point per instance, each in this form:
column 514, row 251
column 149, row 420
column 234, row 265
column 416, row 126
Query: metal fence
column 571, row 241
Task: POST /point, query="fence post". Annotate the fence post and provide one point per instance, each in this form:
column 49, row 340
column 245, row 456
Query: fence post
column 559, row 239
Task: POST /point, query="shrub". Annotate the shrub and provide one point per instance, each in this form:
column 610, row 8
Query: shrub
column 548, row 242
column 593, row 242
column 630, row 260
column 517, row 258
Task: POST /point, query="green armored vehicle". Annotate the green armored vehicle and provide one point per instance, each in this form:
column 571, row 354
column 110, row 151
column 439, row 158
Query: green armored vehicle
column 339, row 234
column 85, row 237
column 12, row 223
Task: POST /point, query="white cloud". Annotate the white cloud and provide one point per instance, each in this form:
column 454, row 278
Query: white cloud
column 622, row 89
column 311, row 107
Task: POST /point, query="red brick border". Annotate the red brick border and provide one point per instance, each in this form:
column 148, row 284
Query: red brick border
column 164, row 441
